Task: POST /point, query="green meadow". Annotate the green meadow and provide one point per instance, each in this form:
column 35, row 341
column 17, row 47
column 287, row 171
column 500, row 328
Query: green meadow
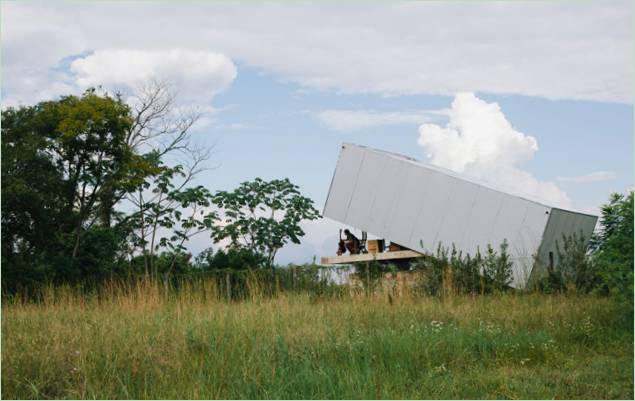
column 137, row 342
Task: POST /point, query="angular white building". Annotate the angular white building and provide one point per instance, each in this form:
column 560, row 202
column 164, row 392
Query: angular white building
column 419, row 206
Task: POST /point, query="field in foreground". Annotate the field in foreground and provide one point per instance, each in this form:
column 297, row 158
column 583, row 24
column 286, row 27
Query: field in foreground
column 141, row 345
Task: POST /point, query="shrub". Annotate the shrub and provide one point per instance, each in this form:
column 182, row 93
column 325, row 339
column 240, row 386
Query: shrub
column 234, row 258
column 467, row 277
column 463, row 274
column 575, row 267
column 497, row 268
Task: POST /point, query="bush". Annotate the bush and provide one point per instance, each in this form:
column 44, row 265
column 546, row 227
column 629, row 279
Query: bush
column 451, row 270
column 575, row 267
column 371, row 273
column 234, row 258
column 497, row 268
column 467, row 277
column 433, row 269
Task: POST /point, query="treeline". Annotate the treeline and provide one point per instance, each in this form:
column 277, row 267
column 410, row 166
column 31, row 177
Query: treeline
column 92, row 190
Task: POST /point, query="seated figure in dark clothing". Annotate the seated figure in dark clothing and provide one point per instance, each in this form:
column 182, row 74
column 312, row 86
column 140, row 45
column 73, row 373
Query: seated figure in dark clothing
column 350, row 243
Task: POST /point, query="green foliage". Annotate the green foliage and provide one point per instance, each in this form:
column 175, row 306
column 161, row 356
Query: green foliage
column 68, row 164
column 371, row 273
column 497, row 267
column 575, row 268
column 434, row 269
column 63, row 162
column 169, row 263
column 451, row 270
column 233, row 258
column 614, row 254
column 467, row 272
column 263, row 216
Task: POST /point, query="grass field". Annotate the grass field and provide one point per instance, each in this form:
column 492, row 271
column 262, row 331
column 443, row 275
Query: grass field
column 140, row 344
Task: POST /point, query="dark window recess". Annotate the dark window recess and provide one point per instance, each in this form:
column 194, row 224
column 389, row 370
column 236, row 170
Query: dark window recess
column 551, row 260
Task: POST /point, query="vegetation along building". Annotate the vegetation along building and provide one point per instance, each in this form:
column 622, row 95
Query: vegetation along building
column 419, row 206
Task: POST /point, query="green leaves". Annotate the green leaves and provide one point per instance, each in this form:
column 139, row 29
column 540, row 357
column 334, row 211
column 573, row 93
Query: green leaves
column 614, row 254
column 263, row 216
column 64, row 165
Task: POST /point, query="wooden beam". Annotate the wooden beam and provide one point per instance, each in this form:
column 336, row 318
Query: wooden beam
column 367, row 257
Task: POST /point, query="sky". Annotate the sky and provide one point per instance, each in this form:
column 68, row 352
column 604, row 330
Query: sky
column 534, row 97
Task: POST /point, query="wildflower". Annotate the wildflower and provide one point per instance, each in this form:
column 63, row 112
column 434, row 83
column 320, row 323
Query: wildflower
column 524, row 361
column 436, row 325
column 440, row 369
column 548, row 345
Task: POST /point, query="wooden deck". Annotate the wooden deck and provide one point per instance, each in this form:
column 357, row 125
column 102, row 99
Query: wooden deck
column 368, row 257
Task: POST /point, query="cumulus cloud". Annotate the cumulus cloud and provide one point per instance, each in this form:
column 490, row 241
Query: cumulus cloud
column 591, row 177
column 350, row 120
column 479, row 140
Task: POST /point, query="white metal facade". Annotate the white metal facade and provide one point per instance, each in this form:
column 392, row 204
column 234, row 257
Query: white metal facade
column 421, row 206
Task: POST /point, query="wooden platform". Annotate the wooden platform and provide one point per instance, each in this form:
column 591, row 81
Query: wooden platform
column 368, row 257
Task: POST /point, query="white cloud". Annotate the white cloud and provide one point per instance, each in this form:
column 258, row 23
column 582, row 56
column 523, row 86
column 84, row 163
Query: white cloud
column 549, row 49
column 197, row 75
column 479, row 141
column 591, row 177
column 349, row 120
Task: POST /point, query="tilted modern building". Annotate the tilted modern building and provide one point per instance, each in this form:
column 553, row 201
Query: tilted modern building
column 420, row 206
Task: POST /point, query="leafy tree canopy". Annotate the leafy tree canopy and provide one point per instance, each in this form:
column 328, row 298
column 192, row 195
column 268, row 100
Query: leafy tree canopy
column 262, row 216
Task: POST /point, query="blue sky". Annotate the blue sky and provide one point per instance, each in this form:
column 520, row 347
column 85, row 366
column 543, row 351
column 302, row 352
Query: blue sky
column 278, row 135
column 531, row 97
column 273, row 122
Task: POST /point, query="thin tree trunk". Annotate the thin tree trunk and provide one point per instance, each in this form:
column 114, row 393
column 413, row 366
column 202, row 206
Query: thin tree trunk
column 154, row 233
column 143, row 224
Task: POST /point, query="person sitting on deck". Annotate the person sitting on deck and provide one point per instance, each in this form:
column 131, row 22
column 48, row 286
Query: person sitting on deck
column 351, row 243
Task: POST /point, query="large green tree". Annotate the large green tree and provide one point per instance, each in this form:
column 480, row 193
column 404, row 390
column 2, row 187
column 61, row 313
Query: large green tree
column 72, row 166
column 62, row 163
column 263, row 216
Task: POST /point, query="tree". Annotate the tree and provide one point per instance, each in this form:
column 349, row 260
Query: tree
column 59, row 159
column 614, row 249
column 160, row 131
column 70, row 166
column 262, row 216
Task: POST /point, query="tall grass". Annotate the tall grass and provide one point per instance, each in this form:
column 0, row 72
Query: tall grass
column 141, row 341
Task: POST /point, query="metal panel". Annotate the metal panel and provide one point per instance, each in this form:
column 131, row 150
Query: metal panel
column 527, row 241
column 389, row 183
column 507, row 225
column 508, row 221
column 343, row 184
column 479, row 226
column 412, row 195
column 431, row 212
column 457, row 213
column 564, row 222
column 366, row 188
